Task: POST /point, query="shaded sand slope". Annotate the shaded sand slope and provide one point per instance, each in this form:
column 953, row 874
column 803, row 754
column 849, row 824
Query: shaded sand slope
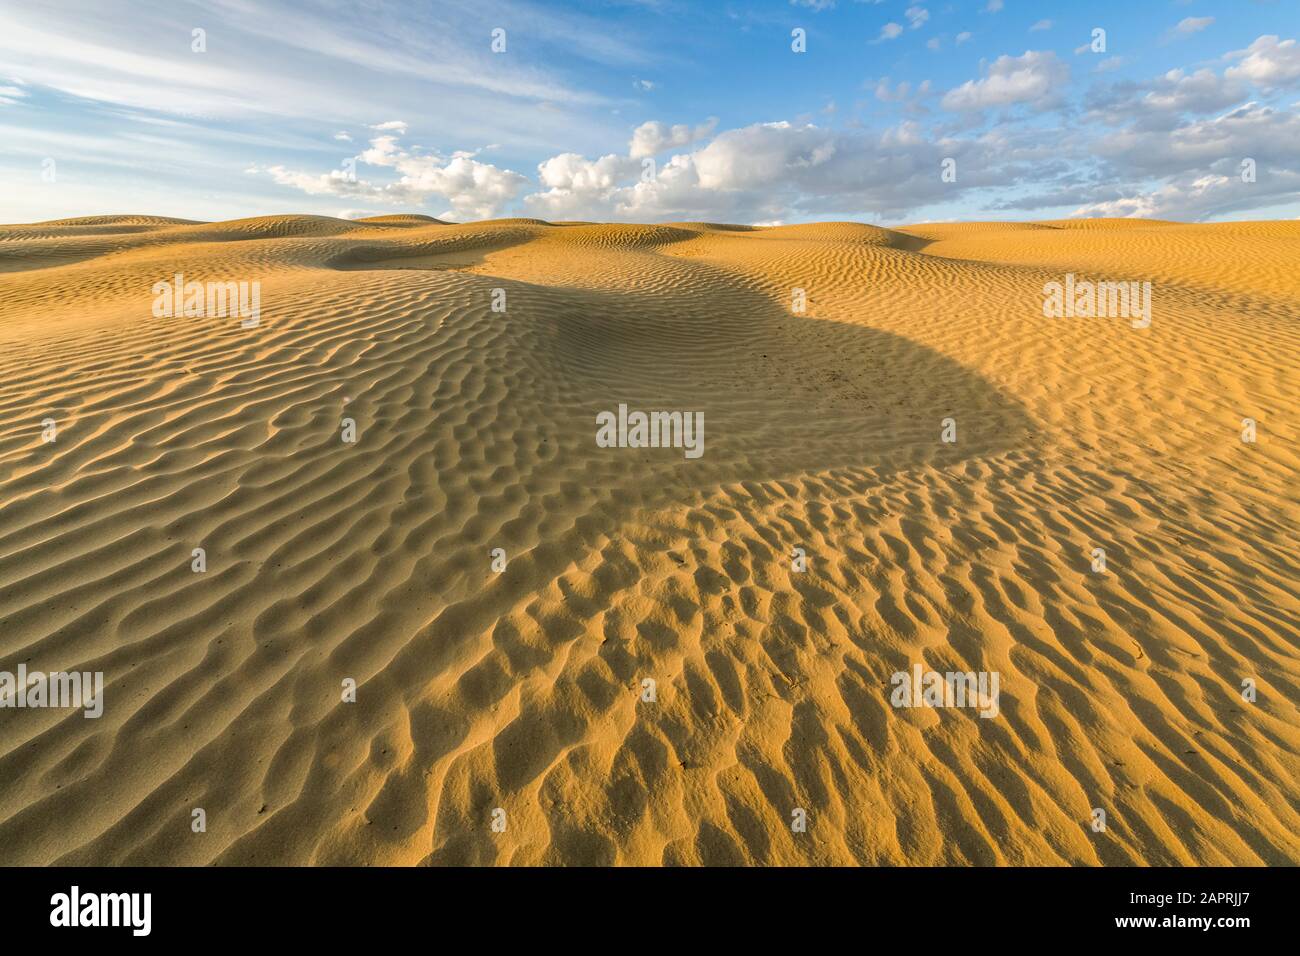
column 522, row 689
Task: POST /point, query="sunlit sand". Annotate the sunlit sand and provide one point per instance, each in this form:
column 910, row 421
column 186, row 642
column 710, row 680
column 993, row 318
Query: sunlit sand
column 500, row 585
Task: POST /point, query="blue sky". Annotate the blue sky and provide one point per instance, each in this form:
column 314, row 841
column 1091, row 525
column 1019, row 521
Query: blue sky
column 650, row 110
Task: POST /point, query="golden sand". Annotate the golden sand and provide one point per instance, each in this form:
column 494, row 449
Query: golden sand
column 523, row 690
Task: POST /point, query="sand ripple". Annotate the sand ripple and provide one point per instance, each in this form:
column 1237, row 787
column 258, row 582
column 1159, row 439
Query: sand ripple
column 521, row 689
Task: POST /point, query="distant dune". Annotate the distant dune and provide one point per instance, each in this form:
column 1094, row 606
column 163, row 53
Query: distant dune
column 503, row 716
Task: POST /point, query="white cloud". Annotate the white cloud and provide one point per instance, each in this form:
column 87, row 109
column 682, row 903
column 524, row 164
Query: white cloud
column 993, row 6
column 652, row 138
column 474, row 190
column 1189, row 25
column 766, row 171
column 762, row 154
column 1167, row 143
column 570, row 172
column 1198, row 92
column 1198, row 197
column 1249, row 130
column 1267, row 63
column 1144, row 206
column 1036, row 78
column 275, row 62
column 1041, row 25
column 1164, row 166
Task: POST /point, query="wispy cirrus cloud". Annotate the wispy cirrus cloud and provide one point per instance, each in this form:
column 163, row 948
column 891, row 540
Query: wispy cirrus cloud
column 1189, row 25
column 274, row 60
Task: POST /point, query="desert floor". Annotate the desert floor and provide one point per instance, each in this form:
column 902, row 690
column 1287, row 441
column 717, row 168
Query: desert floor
column 522, row 690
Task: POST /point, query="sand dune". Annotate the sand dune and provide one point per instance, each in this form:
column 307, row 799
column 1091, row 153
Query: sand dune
column 522, row 689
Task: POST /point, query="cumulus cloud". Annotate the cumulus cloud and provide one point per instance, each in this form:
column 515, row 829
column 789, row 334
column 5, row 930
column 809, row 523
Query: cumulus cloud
column 963, row 37
column 1199, row 92
column 767, row 171
column 763, row 154
column 573, row 173
column 1184, row 134
column 1199, row 197
column 1035, row 79
column 1166, row 147
column 889, row 31
column 916, row 17
column 473, row 189
column 652, row 138
column 1159, row 103
column 1252, row 129
column 1267, row 63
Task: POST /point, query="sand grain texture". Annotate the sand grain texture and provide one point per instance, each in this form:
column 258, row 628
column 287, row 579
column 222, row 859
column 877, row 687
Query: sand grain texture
column 521, row 690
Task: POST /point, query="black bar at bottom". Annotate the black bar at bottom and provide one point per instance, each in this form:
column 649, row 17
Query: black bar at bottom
column 340, row 905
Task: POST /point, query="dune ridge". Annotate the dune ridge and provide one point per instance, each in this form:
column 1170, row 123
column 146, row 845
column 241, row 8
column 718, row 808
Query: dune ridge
column 522, row 690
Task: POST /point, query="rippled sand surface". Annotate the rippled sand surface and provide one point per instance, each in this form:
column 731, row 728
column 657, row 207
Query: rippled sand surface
column 523, row 690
